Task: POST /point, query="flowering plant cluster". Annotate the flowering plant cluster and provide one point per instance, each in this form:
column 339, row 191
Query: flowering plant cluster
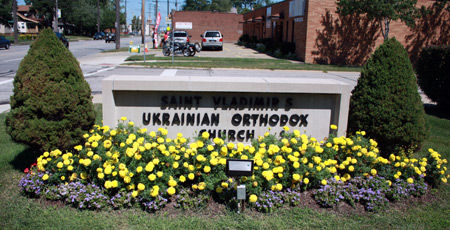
column 129, row 165
column 373, row 192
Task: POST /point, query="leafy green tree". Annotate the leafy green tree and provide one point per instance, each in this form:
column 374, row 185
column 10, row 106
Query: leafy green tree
column 196, row 5
column 51, row 106
column 383, row 11
column 386, row 104
column 5, row 12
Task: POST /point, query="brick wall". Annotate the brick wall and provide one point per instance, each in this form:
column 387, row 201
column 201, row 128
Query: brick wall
column 227, row 23
column 350, row 40
column 326, row 37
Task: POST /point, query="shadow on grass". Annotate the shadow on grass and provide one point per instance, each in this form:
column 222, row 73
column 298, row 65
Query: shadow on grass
column 434, row 110
column 24, row 159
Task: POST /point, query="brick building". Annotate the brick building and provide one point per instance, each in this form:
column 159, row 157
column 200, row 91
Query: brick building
column 227, row 23
column 323, row 36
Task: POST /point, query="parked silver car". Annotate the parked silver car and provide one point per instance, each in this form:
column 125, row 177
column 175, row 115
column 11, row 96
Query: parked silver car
column 181, row 36
column 212, row 39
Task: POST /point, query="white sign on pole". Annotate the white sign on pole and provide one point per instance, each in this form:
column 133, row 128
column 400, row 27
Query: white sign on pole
column 183, row 25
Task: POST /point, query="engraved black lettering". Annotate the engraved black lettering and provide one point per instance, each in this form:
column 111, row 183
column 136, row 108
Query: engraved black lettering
column 236, row 119
column 165, row 119
column 303, row 121
column 273, row 120
column 146, row 119
column 156, row 119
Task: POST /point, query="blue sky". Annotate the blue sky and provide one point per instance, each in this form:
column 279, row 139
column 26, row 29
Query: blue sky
column 134, row 8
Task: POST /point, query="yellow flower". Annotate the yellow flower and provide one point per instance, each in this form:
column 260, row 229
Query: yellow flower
column 410, row 180
column 182, row 179
column 70, row 167
column 100, row 175
column 45, row 177
column 296, row 177
column 191, row 176
column 306, row 181
column 172, row 183
column 224, row 184
column 60, row 165
column 206, row 169
column 83, row 175
column 351, row 168
column 219, row 190
column 324, row 182
column 114, row 184
column 373, row 172
column 253, row 198
column 205, row 135
column 171, row 191
column 159, row 173
column 443, row 179
column 151, row 177
column 333, row 127
column 279, row 187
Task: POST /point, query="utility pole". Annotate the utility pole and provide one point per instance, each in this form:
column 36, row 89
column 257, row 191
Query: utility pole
column 117, row 24
column 176, row 5
column 143, row 22
column 98, row 15
column 126, row 23
column 156, row 16
column 15, row 21
column 55, row 26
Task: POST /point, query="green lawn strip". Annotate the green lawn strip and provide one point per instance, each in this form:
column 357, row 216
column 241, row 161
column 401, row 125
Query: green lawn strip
column 242, row 63
column 19, row 212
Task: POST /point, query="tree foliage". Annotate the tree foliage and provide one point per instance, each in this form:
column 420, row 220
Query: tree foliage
column 5, row 12
column 383, row 11
column 51, row 106
column 242, row 6
column 81, row 13
column 386, row 103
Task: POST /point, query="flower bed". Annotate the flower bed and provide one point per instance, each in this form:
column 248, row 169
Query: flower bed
column 128, row 166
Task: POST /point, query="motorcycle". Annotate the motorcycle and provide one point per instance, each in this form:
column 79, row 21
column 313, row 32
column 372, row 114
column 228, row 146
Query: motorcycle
column 186, row 50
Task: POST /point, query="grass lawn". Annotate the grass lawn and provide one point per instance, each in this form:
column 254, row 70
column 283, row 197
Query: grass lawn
column 240, row 63
column 19, row 212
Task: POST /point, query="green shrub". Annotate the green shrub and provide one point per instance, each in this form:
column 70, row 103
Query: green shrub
column 386, row 103
column 433, row 74
column 51, row 106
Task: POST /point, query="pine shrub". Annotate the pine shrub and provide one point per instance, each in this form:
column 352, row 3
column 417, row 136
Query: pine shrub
column 433, row 74
column 386, row 103
column 51, row 106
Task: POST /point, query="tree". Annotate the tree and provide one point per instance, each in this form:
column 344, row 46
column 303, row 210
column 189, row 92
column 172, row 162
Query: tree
column 51, row 106
column 383, row 11
column 386, row 104
column 5, row 12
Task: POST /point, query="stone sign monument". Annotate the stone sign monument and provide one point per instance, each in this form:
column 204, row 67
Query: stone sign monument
column 239, row 108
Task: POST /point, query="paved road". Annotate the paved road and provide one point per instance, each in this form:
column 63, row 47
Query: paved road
column 96, row 66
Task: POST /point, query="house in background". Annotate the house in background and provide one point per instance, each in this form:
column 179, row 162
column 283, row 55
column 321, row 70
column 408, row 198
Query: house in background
column 321, row 35
column 27, row 21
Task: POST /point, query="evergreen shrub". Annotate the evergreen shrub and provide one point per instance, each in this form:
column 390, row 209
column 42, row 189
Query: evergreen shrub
column 51, row 106
column 433, row 74
column 386, row 103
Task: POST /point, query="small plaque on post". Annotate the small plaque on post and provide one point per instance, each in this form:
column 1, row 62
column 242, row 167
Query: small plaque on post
column 236, row 167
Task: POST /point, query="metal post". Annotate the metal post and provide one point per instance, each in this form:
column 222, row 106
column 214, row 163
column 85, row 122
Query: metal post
column 156, row 16
column 15, row 21
column 143, row 26
column 55, row 25
column 98, row 15
column 117, row 24
column 173, row 39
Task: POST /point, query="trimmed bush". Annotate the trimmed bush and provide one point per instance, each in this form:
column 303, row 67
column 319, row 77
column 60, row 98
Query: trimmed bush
column 433, row 74
column 51, row 106
column 386, row 103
